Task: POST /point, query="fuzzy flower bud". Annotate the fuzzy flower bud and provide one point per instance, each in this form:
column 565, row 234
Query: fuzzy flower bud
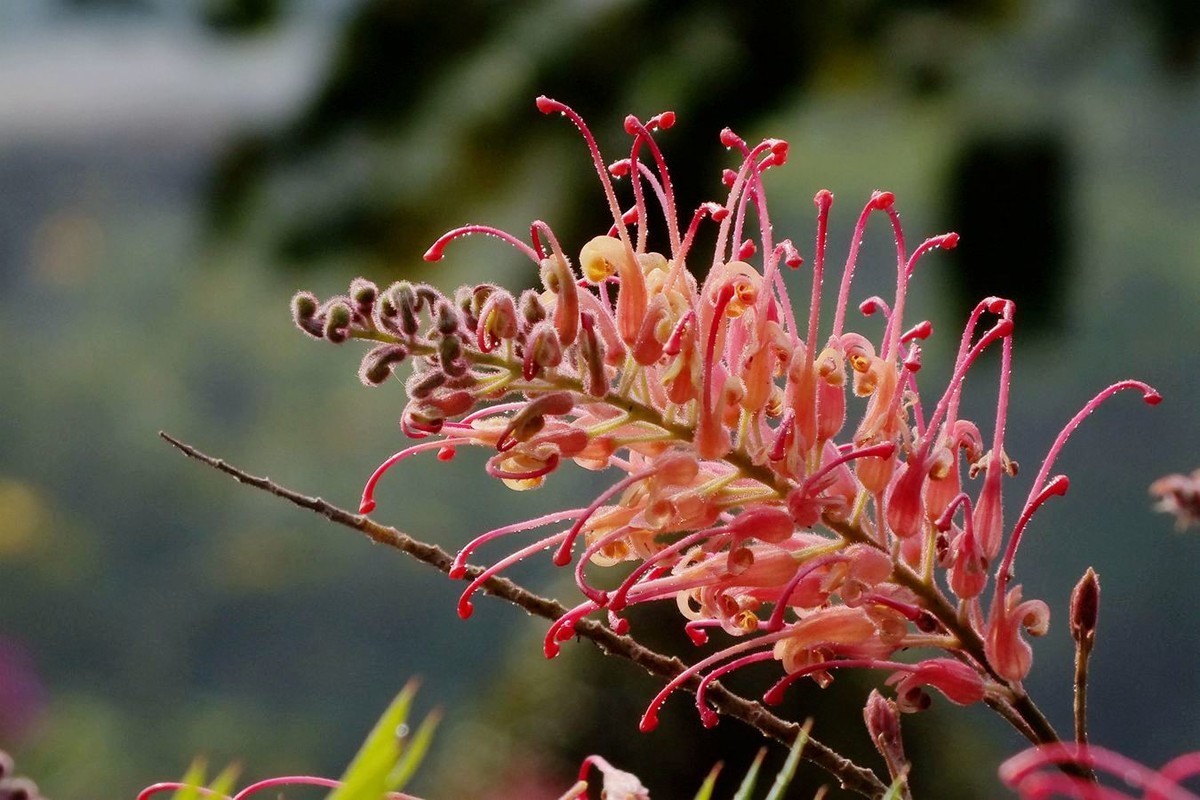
column 1085, row 607
column 304, row 314
column 363, row 293
column 338, row 317
column 531, row 308
column 497, row 320
column 883, row 724
column 378, row 363
column 403, row 297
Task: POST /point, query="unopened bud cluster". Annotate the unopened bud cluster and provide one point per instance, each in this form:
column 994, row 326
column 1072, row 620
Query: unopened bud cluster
column 783, row 480
column 12, row 786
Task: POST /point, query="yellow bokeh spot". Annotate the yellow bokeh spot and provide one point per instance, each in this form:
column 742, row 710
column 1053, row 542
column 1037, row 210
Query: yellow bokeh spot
column 66, row 247
column 22, row 514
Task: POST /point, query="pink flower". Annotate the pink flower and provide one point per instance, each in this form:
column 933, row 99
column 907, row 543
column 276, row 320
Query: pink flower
column 616, row 784
column 1008, row 653
column 958, row 682
column 1179, row 495
column 23, row 697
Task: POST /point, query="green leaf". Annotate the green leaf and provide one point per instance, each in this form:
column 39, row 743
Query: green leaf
column 193, row 779
column 706, row 788
column 224, row 784
column 747, row 786
column 789, row 767
column 367, row 776
column 402, row 773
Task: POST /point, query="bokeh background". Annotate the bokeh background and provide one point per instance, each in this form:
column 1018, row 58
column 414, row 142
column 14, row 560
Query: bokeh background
column 172, row 170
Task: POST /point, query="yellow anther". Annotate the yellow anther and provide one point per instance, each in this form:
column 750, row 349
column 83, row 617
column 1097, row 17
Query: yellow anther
column 599, row 258
column 746, row 621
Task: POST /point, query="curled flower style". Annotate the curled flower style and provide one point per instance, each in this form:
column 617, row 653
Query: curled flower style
column 266, row 785
column 1036, row 774
column 781, row 479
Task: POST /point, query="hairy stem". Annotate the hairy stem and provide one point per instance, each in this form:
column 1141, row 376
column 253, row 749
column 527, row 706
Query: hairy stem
column 850, row 775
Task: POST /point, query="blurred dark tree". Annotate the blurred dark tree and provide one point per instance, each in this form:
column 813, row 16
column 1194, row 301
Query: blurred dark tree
column 715, row 63
column 241, row 16
column 1176, row 24
column 1009, row 199
column 120, row 5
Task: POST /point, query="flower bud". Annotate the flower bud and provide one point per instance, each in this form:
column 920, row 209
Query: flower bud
column 560, row 281
column 959, row 683
column 425, row 420
column 543, row 350
column 449, row 355
column 591, row 353
column 527, row 422
column 1085, row 607
column 404, row 298
column 883, row 724
column 648, row 347
column 905, row 511
column 363, row 293
column 338, row 317
column 764, row 523
column 378, row 363
column 421, row 384
column 447, row 319
column 874, row 472
column 676, row 469
column 497, row 320
column 451, row 404
column 304, row 314
column 531, row 308
column 19, row 789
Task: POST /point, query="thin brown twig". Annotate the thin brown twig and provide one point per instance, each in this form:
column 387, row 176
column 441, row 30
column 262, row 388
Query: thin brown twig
column 1082, row 653
column 850, row 775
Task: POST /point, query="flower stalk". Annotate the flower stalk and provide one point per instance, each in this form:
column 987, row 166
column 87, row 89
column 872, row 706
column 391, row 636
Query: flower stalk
column 849, row 775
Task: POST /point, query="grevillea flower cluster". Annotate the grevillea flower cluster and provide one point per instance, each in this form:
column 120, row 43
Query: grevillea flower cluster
column 783, row 479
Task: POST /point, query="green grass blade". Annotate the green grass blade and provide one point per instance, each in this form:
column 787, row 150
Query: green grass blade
column 193, row 779
column 367, row 776
column 747, row 786
column 706, row 788
column 226, row 781
column 404, row 769
column 789, row 767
